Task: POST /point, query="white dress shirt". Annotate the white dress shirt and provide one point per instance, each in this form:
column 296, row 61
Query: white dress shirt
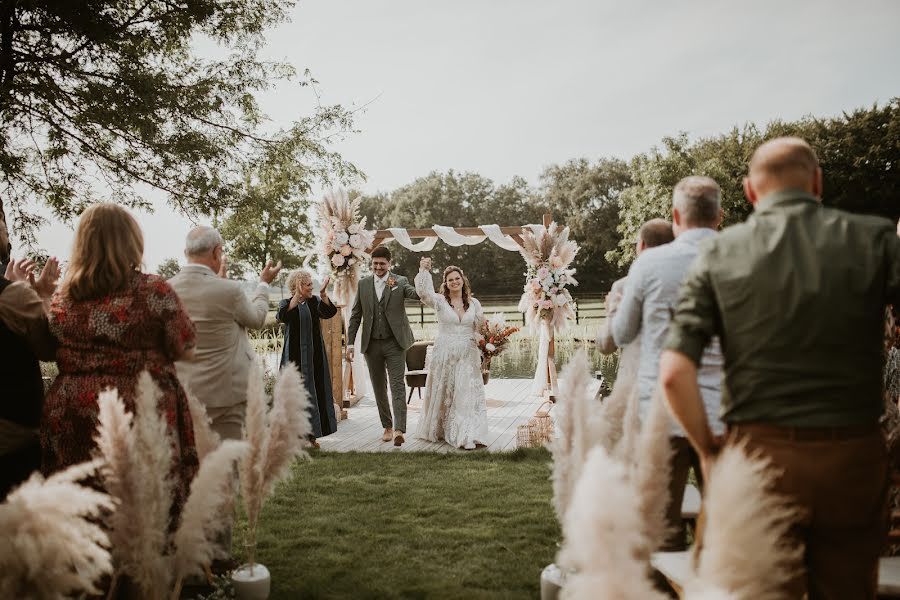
column 380, row 282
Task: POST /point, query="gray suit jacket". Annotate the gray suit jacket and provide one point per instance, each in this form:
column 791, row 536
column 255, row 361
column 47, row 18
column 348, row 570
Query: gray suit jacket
column 222, row 312
column 364, row 307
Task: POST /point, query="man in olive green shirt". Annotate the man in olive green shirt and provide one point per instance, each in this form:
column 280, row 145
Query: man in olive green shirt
column 797, row 294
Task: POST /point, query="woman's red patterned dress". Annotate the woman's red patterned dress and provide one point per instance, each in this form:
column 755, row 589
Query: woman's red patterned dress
column 107, row 343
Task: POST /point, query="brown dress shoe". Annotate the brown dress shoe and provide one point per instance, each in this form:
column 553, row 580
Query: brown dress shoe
column 398, row 438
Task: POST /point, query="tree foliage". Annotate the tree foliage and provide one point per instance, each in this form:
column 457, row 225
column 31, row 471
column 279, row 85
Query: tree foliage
column 460, row 200
column 168, row 268
column 585, row 197
column 105, row 99
column 270, row 221
column 859, row 153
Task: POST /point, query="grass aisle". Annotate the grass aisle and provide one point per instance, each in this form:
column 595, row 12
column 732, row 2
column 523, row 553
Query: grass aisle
column 410, row 525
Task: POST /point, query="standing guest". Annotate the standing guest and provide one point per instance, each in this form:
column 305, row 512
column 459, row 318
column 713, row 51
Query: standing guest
column 650, row 296
column 653, row 233
column 219, row 369
column 114, row 322
column 305, row 348
column 24, row 339
column 797, row 295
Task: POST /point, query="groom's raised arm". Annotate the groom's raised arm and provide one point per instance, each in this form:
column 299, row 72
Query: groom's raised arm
column 409, row 291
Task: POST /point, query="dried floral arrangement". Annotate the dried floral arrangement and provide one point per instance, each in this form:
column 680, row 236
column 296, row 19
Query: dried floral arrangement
column 344, row 240
column 548, row 253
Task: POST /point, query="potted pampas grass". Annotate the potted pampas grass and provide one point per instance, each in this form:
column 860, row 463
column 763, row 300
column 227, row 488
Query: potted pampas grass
column 276, row 438
column 53, row 546
column 137, row 454
column 616, row 429
column 607, row 534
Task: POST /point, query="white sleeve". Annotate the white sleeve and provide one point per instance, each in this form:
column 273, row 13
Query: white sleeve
column 425, row 289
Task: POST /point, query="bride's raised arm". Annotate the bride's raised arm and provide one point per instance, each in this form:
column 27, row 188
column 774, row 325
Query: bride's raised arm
column 425, row 287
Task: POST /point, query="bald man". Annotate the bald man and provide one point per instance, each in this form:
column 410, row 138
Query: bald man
column 797, row 294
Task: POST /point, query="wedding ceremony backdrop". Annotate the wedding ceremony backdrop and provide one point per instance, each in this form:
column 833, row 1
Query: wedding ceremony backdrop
column 546, row 248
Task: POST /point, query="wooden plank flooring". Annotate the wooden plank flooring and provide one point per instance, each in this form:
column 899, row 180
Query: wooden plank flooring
column 509, row 404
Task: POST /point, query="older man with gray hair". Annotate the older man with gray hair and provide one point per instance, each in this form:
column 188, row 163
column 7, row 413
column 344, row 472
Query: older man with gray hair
column 217, row 374
column 649, row 298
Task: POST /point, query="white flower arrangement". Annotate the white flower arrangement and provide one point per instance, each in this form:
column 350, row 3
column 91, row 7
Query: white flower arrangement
column 548, row 254
column 344, row 240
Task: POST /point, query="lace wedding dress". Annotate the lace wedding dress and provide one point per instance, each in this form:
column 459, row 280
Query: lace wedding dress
column 453, row 408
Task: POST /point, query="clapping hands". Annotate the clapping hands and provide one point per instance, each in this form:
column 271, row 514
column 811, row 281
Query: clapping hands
column 24, row 270
column 270, row 272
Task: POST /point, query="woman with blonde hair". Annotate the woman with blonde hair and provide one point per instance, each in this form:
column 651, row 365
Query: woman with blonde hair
column 114, row 322
column 304, row 347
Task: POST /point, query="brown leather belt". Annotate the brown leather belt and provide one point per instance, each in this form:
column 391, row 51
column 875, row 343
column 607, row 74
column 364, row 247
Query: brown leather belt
column 803, row 434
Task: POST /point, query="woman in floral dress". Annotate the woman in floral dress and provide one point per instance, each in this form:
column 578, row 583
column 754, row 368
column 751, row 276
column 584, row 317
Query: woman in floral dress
column 114, row 322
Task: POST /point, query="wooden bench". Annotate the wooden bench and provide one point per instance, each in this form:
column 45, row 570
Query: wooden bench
column 676, row 568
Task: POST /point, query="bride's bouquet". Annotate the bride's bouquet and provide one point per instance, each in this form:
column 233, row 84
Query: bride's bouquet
column 495, row 334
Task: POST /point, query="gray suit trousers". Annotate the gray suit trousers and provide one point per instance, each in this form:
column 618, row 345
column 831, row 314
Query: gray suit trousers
column 388, row 355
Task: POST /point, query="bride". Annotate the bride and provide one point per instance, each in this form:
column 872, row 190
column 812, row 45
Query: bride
column 453, row 408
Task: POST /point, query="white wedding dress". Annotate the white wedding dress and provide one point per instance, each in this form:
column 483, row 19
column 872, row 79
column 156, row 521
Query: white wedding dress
column 453, row 408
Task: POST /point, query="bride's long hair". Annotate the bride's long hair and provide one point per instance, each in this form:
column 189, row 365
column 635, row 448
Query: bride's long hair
column 466, row 289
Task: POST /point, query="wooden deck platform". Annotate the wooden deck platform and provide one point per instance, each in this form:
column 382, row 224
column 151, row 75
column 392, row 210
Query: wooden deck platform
column 509, row 404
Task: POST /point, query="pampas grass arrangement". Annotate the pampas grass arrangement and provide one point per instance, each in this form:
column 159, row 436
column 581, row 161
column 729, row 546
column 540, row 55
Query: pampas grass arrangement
column 651, row 475
column 275, row 440
column 53, row 546
column 572, row 431
column 205, row 439
column 138, row 453
column 604, row 533
column 137, row 472
column 742, row 513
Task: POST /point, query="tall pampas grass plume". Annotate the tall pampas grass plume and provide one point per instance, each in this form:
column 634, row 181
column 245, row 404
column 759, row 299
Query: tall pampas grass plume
column 652, row 473
column 52, row 545
column 571, row 441
column 212, row 491
column 275, row 440
column 205, row 439
column 603, row 533
column 138, row 451
column 742, row 513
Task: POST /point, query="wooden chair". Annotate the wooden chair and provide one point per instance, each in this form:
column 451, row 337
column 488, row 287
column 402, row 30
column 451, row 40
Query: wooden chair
column 416, row 373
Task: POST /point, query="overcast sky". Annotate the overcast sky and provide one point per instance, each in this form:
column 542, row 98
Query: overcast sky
column 505, row 88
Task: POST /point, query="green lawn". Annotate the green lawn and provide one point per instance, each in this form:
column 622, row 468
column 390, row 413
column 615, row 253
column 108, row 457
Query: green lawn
column 410, row 525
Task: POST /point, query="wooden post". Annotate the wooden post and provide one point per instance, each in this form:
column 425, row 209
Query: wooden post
column 332, row 335
column 551, row 351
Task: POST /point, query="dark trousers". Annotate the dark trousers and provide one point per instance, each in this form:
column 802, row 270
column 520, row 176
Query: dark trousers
column 684, row 458
column 839, row 477
column 18, row 466
column 387, row 356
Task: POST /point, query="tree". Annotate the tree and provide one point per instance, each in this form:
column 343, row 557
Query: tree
column 270, row 222
column 168, row 268
column 460, row 200
column 585, row 197
column 859, row 153
column 93, row 90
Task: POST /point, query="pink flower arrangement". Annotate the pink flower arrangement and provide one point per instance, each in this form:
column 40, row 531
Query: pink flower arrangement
column 548, row 252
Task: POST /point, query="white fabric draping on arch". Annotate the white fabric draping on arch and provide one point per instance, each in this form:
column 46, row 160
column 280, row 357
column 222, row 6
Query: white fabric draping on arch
column 449, row 236
column 402, row 238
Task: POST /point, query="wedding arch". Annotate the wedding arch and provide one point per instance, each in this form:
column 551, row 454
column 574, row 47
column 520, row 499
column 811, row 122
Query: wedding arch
column 548, row 253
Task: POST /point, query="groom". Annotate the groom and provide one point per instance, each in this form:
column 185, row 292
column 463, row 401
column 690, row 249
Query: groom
column 386, row 338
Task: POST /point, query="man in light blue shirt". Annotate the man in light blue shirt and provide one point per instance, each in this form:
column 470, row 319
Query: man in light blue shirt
column 648, row 302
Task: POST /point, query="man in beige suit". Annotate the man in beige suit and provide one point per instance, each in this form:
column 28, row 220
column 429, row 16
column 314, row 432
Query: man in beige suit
column 217, row 374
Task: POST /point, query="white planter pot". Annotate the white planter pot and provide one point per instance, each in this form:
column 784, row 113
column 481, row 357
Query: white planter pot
column 551, row 582
column 251, row 583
